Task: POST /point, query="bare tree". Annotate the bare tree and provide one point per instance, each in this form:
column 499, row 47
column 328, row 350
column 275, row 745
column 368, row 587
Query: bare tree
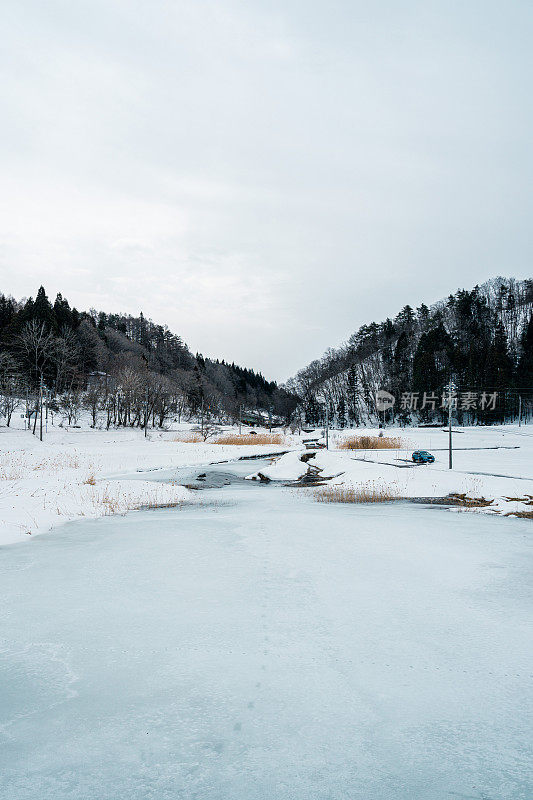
column 94, row 400
column 209, row 429
column 71, row 405
column 182, row 381
column 9, row 386
column 163, row 398
column 36, row 343
column 65, row 358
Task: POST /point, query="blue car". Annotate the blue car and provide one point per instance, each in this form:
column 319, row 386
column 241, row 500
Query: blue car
column 422, row 457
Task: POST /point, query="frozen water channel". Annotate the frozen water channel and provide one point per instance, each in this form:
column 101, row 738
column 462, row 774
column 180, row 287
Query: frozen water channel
column 267, row 647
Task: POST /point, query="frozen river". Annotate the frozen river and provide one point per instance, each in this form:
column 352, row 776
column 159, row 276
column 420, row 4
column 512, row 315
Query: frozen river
column 267, row 647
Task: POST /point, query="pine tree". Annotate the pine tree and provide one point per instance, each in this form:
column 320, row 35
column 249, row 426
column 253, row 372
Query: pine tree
column 402, row 373
column 500, row 365
column 341, row 413
column 62, row 312
column 525, row 363
column 43, row 311
column 424, row 317
column 7, row 314
column 405, row 318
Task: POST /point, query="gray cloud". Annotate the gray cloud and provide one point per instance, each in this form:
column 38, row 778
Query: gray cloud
column 263, row 177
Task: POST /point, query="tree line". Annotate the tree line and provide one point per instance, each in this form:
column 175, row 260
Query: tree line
column 124, row 370
column 480, row 339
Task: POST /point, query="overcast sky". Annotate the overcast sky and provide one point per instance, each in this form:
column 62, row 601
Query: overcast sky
column 264, row 176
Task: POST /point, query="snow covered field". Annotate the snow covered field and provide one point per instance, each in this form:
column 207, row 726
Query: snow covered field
column 262, row 646
column 491, row 463
column 43, row 485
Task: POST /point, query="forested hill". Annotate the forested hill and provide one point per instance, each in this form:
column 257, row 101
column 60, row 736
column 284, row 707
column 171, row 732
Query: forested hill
column 101, row 359
column 481, row 338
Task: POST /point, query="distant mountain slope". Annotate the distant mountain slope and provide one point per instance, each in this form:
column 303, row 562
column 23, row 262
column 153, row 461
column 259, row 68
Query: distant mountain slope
column 122, row 365
column 482, row 339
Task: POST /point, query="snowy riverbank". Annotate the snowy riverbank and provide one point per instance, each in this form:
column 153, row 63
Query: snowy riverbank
column 494, row 464
column 75, row 473
column 87, row 473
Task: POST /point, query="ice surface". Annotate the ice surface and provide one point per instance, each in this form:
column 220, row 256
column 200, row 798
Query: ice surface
column 266, row 648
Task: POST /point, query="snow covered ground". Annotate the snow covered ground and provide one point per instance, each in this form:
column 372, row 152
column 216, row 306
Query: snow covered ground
column 44, row 484
column 73, row 472
column 262, row 646
column 491, row 463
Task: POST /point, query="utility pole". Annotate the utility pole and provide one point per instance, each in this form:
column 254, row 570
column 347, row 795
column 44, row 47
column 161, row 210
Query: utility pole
column 146, row 415
column 41, row 408
column 451, row 387
column 327, row 428
column 240, row 415
column 202, row 418
column 519, row 411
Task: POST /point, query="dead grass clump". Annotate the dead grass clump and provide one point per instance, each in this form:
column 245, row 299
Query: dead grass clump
column 155, row 504
column 373, row 443
column 521, row 514
column 527, row 499
column 363, row 493
column 188, row 438
column 249, row 438
column 112, row 505
column 12, row 467
column 60, row 462
column 464, row 500
column 110, row 499
column 90, row 480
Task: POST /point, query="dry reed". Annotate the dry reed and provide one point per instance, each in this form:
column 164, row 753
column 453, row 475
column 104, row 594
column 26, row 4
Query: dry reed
column 249, row 438
column 527, row 499
column 372, row 443
column 12, row 467
column 60, row 462
column 188, row 438
column 363, row 493
column 464, row 500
